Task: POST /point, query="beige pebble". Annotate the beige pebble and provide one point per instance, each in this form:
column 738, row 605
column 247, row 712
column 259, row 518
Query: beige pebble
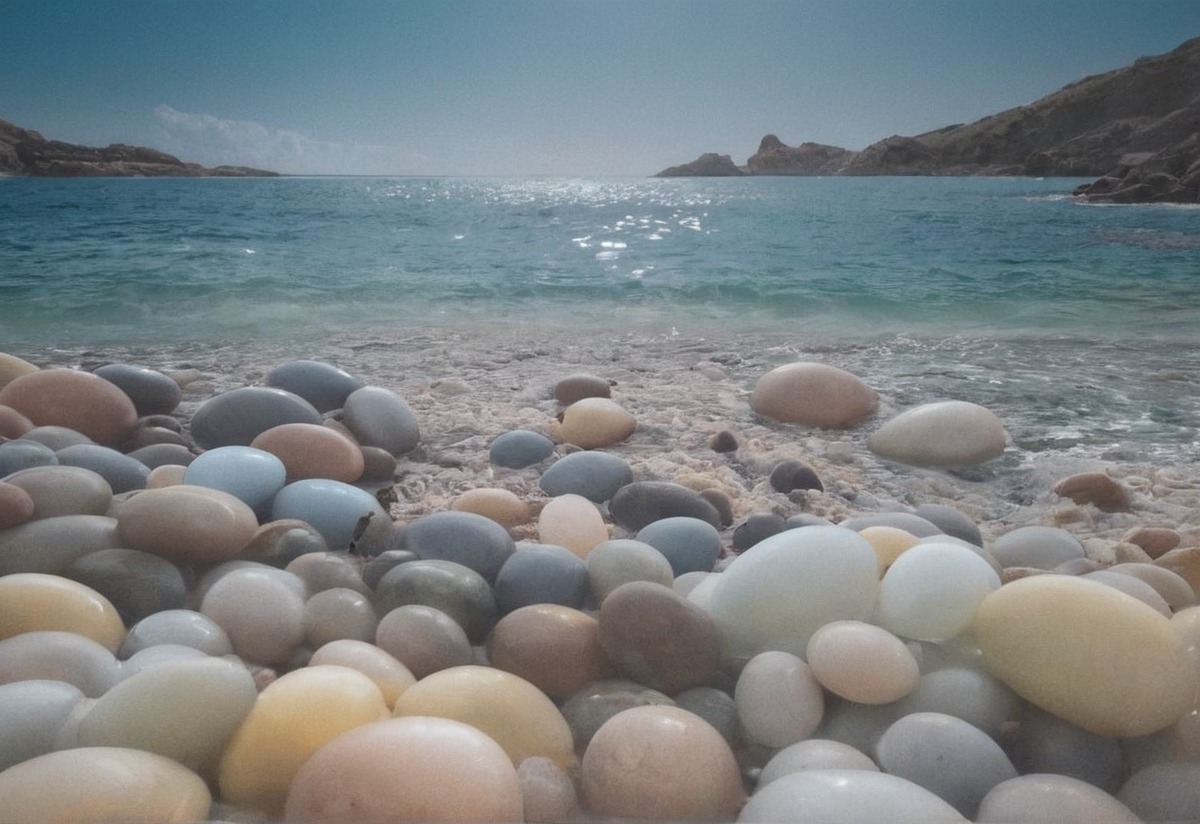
column 1095, row 488
column 555, row 648
column 309, row 450
column 77, row 400
column 813, row 394
column 12, row 367
column 591, row 423
column 502, row 506
column 33, row 602
column 187, row 524
column 166, row 475
column 16, row 506
column 862, row 662
column 1155, row 541
column 888, row 542
column 392, row 677
column 63, row 490
column 12, row 423
column 572, row 521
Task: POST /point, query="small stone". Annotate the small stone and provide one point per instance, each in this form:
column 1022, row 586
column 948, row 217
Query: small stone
column 123, row 473
column 32, row 714
column 498, row 505
column 757, row 527
column 50, row 545
column 520, row 448
column 1094, row 488
column 320, row 571
column 642, row 502
column 541, row 574
column 379, row 466
column 374, row 569
column 688, row 544
column 465, row 538
column 792, row 475
column 555, row 648
column 574, row 522
column 1044, row 797
column 380, row 417
column 76, row 400
column 344, row 515
column 723, row 441
column 587, row 710
column 658, row 638
column 1163, row 792
column 1154, row 541
column 613, row 563
column 237, row 417
column 16, row 506
column 813, row 394
column 849, row 795
column 592, row 423
column 1041, row 547
column 814, row 754
column 579, row 386
column 595, row 475
column 862, row 662
column 323, row 385
column 24, row 454
column 280, row 542
column 163, row 454
column 184, row 627
column 311, row 451
column 932, row 591
column 721, row 503
column 950, row 521
column 57, row 655
column 261, row 613
column 548, row 792
column 779, row 700
column 948, row 433
column 422, row 638
column 451, row 588
column 136, row 583
column 392, row 677
column 338, row 614
column 152, row 392
column 13, row 424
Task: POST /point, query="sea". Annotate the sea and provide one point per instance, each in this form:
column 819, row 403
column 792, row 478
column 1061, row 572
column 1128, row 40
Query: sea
column 1078, row 324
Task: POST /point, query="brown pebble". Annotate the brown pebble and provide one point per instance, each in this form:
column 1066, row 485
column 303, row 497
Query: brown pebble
column 16, row 507
column 555, row 648
column 591, row 423
column 309, row 450
column 579, row 386
column 500, row 505
column 379, row 465
column 1094, row 488
column 1155, row 541
column 1183, row 561
column 12, row 367
column 12, row 423
column 77, row 400
column 723, row 441
column 721, row 503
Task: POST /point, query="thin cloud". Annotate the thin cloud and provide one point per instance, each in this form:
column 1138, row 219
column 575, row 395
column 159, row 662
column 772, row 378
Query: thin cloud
column 212, row 140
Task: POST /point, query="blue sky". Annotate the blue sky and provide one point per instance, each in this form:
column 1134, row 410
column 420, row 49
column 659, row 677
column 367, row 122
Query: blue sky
column 554, row 87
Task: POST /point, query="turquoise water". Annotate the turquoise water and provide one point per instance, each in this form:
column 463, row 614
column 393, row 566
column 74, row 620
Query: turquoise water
column 1082, row 321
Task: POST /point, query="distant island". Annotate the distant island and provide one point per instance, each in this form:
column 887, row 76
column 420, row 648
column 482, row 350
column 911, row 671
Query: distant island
column 25, row 153
column 1136, row 128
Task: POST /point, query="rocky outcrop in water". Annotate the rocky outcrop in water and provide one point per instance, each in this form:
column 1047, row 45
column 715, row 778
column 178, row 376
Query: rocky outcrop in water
column 710, row 164
column 26, row 153
column 1169, row 176
column 1107, row 124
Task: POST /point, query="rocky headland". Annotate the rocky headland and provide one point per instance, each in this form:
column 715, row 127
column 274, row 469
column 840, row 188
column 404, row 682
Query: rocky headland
column 1136, row 128
column 26, row 153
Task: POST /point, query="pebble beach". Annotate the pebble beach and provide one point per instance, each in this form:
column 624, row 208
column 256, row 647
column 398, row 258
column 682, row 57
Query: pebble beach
column 733, row 600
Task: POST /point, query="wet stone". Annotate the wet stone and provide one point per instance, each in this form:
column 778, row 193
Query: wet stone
column 688, row 544
column 152, row 392
column 379, row 417
column 237, row 417
column 757, row 527
column 465, row 538
column 137, row 583
column 122, row 472
column 579, row 386
column 451, row 588
column 595, row 475
column 520, row 448
column 642, row 502
column 323, row 385
column 789, row 476
column 541, row 574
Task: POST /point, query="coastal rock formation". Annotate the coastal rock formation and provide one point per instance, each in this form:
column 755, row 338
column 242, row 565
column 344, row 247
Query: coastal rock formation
column 1138, row 126
column 775, row 158
column 709, row 164
column 25, row 153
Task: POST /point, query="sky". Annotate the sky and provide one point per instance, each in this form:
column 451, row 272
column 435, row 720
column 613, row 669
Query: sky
column 543, row 87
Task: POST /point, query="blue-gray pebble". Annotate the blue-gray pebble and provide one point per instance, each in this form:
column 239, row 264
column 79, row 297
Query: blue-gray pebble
column 689, row 544
column 237, row 417
column 123, row 473
column 152, row 392
column 541, row 574
column 323, row 385
column 520, row 448
column 595, row 475
column 22, row 454
column 465, row 538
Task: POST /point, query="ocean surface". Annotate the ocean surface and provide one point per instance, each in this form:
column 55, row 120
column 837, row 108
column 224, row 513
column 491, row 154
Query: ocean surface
column 1079, row 324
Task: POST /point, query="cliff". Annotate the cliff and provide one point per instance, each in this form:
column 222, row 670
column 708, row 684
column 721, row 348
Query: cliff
column 25, row 153
column 709, row 164
column 1106, row 124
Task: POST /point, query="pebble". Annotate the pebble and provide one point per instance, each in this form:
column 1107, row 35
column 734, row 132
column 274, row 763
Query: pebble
column 338, row 614
column 723, row 441
column 576, row 387
column 137, row 584
column 932, row 591
column 16, row 505
column 311, row 451
column 950, row 521
column 123, row 473
column 658, row 638
column 814, row 754
column 548, row 792
column 1054, row 640
column 465, row 538
column 126, row 784
column 237, row 417
column 64, row 490
column 323, row 385
column 862, row 662
column 1041, row 547
column 910, row 523
column 1095, row 488
column 1046, row 797
column 152, row 392
column 641, row 503
column 592, row 423
column 184, row 627
column 757, row 527
column 513, row 712
column 262, row 615
column 292, row 719
column 320, row 571
column 595, row 475
column 375, row 568
column 622, row 560
column 381, row 418
column 55, row 655
column 553, row 647
column 1045, row 743
column 341, row 513
column 789, row 476
column 660, row 763
column 720, row 503
column 163, row 454
column 1131, row 586
column 520, row 448
column 1155, row 541
column 944, row 434
column 56, row 437
column 76, row 400
column 391, row 676
column 397, row 770
column 969, row 693
column 12, row 367
column 13, row 424
column 423, row 639
column 379, row 466
column 688, row 544
column 587, row 710
column 846, row 796
column 717, row 707
column 541, row 574
column 32, row 715
column 24, row 454
column 280, row 542
column 32, row 602
column 775, row 595
column 186, row 524
column 813, row 394
column 499, row 505
column 1177, row 592
column 779, row 699
column 451, row 588
column 1163, row 792
column 50, row 545
column 888, row 542
column 574, row 522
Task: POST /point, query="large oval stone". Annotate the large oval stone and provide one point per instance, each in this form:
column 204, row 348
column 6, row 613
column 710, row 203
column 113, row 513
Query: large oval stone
column 123, row 473
column 109, row 783
column 541, row 574
column 519, row 448
column 947, row 433
column 64, row 490
column 779, row 700
column 380, row 417
column 261, row 612
column 591, row 423
column 423, row 638
column 152, row 392
column 689, row 544
column 465, row 538
column 32, row 714
column 1087, row 653
column 841, row 796
column 813, row 394
column 251, row 475
column 1041, row 547
column 76, row 400
column 595, row 475
column 779, row 592
column 137, row 583
column 23, row 453
column 642, row 502
column 177, row 627
column 186, row 524
column 499, row 505
column 555, row 648
column 1039, row 797
column 323, row 385
column 32, row 602
column 454, row 589
column 237, row 417
column 574, row 522
column 862, row 662
column 311, row 451
column 932, row 590
column 340, row 512
column 59, row 656
column 581, row 385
